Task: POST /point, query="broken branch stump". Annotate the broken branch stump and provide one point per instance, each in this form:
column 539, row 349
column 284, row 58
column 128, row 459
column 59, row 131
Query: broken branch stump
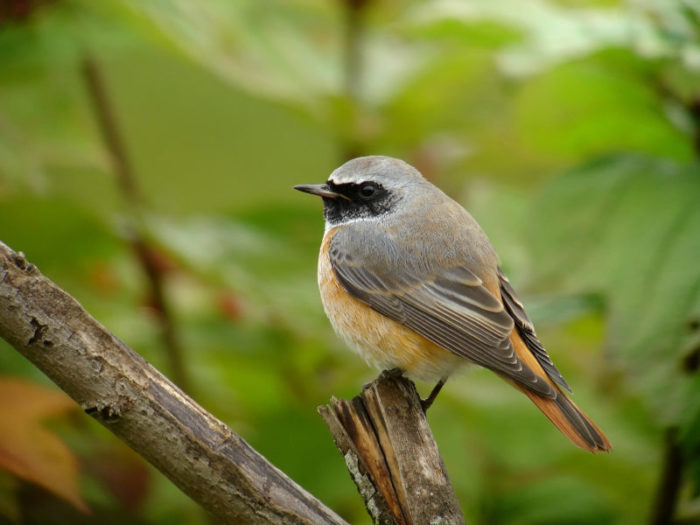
column 391, row 454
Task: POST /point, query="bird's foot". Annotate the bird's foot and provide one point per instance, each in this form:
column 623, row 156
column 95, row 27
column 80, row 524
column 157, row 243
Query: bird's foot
column 392, row 373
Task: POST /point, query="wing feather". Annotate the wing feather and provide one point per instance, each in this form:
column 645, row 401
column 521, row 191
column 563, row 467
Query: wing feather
column 453, row 310
column 527, row 331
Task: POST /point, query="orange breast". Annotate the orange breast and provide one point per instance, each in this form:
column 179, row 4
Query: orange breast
column 381, row 341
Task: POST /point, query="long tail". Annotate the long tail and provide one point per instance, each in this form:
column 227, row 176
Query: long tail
column 570, row 420
column 560, row 410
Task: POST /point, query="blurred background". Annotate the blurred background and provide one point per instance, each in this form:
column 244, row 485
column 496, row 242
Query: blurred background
column 147, row 154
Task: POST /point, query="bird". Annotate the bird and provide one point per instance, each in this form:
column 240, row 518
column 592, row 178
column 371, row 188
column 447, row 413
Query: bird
column 410, row 281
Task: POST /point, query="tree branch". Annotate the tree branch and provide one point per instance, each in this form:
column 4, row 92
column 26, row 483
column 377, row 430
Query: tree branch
column 116, row 386
column 391, row 454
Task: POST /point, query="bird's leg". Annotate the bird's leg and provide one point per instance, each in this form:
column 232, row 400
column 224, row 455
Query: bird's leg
column 428, row 401
column 424, row 403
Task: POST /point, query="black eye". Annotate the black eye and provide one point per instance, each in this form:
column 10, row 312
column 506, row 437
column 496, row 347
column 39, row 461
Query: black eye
column 368, row 190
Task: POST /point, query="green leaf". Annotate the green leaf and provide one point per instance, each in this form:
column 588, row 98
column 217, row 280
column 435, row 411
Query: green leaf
column 281, row 53
column 627, row 227
column 587, row 108
column 490, row 34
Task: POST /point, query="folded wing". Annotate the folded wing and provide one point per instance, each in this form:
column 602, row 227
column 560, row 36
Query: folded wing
column 453, row 310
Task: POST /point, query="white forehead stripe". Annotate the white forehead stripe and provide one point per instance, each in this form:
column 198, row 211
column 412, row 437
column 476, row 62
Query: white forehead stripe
column 349, row 178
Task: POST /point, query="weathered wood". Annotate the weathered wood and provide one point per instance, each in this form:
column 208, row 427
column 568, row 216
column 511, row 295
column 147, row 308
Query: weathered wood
column 391, row 454
column 354, row 436
column 116, row 386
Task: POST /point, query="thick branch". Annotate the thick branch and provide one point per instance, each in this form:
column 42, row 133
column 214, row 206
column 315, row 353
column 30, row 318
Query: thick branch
column 116, row 386
column 391, row 454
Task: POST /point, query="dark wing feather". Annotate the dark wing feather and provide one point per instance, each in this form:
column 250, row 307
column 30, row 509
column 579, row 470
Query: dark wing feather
column 527, row 330
column 453, row 310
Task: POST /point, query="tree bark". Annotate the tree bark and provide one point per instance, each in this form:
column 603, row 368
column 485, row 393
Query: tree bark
column 391, row 454
column 116, row 386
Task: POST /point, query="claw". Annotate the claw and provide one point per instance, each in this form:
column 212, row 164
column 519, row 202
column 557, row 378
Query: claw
column 392, row 373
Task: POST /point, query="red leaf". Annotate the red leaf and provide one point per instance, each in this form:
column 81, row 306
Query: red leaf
column 27, row 449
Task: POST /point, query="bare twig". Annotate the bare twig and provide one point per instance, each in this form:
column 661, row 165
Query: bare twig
column 145, row 254
column 116, row 386
column 110, row 131
column 391, row 454
column 670, row 482
column 353, row 71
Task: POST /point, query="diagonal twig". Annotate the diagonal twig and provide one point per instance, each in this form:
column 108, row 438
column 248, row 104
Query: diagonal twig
column 116, row 386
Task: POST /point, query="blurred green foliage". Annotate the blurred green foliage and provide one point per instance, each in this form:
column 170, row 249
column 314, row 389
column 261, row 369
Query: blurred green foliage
column 569, row 128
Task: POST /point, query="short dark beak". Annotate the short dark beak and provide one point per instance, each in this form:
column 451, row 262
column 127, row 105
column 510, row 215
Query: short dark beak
column 321, row 190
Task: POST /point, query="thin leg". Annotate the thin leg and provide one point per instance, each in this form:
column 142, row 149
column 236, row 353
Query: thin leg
column 428, row 401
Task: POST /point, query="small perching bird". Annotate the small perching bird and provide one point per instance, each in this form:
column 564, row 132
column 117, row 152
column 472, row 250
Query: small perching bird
column 409, row 280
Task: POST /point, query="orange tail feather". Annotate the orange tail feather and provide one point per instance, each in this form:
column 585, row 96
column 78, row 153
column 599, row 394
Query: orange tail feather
column 560, row 410
column 570, row 420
